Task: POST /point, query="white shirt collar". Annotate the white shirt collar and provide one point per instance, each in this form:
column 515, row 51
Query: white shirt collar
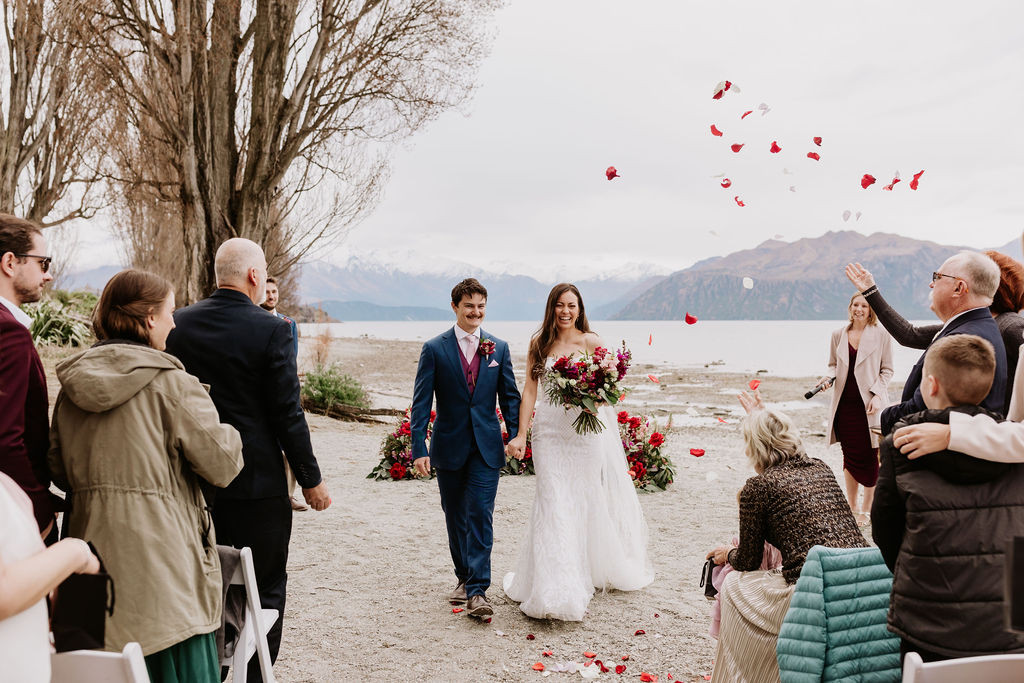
column 950, row 321
column 461, row 334
column 19, row 315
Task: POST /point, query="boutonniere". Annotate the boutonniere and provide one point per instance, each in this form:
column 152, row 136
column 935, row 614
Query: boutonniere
column 486, row 347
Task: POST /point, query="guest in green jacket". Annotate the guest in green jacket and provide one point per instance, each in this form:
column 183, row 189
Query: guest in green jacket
column 132, row 436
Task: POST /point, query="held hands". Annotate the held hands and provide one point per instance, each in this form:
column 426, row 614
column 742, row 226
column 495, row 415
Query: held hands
column 921, row 439
column 860, row 276
column 751, row 402
column 317, row 497
column 422, row 466
column 516, row 447
column 720, row 554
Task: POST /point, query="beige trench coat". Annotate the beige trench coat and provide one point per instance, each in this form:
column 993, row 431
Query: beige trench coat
column 872, row 371
column 132, row 433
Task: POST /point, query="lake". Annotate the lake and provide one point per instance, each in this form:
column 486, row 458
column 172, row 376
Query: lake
column 788, row 348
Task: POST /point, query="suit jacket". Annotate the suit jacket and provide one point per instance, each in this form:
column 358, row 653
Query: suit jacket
column 24, row 419
column 295, row 330
column 978, row 322
column 247, row 356
column 463, row 419
column 872, row 371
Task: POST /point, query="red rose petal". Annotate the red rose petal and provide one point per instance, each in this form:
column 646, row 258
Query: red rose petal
column 690, row 319
column 600, row 664
column 754, row 384
column 817, row 141
column 739, row 202
column 736, row 147
column 917, row 177
column 775, row 149
column 697, row 452
column 656, row 615
column 456, row 610
column 640, row 632
column 625, row 658
column 530, row 636
column 538, row 667
column 726, row 182
column 746, row 114
column 589, row 655
column 707, row 677
column 722, row 421
column 648, row 678
column 814, row 155
column 867, row 180
column 888, row 188
column 620, row 668
column 714, row 131
column 610, row 172
column 547, row 653
column 654, row 378
column 718, row 95
column 650, row 339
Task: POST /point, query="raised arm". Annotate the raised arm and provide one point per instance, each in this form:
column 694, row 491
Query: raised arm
column 900, row 328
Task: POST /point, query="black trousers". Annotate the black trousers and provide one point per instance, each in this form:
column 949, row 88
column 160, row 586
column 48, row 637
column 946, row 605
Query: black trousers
column 265, row 526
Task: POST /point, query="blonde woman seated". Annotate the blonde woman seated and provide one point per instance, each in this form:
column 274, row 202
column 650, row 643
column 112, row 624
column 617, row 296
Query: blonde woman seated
column 794, row 503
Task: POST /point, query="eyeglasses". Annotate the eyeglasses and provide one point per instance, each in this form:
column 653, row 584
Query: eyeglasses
column 936, row 275
column 44, row 261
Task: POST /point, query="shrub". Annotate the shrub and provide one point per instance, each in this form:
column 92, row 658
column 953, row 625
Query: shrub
column 327, row 386
column 57, row 322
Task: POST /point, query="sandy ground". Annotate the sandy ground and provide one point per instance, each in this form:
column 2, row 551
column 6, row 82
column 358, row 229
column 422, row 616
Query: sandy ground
column 368, row 577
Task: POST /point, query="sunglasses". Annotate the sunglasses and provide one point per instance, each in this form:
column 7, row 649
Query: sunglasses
column 936, row 275
column 44, row 261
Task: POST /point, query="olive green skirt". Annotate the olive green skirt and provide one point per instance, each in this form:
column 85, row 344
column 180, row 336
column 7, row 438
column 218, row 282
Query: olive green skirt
column 190, row 661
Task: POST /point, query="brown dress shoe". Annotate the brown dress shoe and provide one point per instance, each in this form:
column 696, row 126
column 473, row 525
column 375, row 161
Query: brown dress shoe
column 458, row 596
column 479, row 607
column 298, row 505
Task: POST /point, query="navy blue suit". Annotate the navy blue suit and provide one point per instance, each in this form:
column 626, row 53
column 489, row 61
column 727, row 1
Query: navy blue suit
column 978, row 322
column 466, row 447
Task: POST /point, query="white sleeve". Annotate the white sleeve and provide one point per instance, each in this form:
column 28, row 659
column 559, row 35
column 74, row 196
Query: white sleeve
column 982, row 437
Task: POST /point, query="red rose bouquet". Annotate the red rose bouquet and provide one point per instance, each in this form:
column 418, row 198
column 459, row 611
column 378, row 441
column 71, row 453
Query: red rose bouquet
column 591, row 381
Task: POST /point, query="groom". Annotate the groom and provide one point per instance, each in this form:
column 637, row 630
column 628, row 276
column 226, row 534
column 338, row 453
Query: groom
column 466, row 370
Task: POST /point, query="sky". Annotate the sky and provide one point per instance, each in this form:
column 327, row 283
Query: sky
column 515, row 180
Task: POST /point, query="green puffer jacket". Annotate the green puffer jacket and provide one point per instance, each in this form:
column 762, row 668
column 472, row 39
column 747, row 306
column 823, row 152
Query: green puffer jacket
column 835, row 629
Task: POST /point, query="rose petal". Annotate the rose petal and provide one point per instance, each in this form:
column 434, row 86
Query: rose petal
column 714, row 131
column 656, row 615
column 896, row 179
column 722, row 421
column 916, row 178
column 746, row 114
column 648, row 678
column 625, row 658
column 589, row 655
column 620, row 668
column 610, row 172
column 640, row 632
column 726, row 183
column 814, row 155
column 763, row 108
column 867, row 180
column 817, row 141
column 547, row 653
column 792, row 188
column 696, row 452
column 748, row 283
column 846, row 215
column 858, row 215
column 754, row 384
column 775, row 149
column 600, row 664
column 736, row 147
column 739, row 202
column 530, row 636
column 650, row 339
column 654, row 378
column 538, row 666
column 690, row 319
column 456, row 610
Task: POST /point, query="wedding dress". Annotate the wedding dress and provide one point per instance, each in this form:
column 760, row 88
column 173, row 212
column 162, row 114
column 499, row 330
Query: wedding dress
column 586, row 529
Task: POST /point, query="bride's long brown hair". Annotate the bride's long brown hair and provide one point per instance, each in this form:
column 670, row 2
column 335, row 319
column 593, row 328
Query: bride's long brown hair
column 544, row 338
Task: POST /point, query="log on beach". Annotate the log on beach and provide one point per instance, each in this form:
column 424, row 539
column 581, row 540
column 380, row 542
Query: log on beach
column 340, row 411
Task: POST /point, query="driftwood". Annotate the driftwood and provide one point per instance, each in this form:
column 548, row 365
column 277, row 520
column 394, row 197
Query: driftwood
column 340, row 411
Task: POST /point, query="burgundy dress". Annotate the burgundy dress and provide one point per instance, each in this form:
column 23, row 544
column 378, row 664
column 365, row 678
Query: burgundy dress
column 851, row 428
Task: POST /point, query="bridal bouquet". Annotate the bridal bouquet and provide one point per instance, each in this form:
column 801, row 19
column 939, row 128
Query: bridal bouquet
column 588, row 382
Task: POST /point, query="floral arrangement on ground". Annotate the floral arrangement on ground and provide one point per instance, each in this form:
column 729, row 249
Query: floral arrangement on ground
column 650, row 469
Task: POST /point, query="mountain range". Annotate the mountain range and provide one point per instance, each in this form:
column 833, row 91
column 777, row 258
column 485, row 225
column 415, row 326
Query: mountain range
column 796, row 280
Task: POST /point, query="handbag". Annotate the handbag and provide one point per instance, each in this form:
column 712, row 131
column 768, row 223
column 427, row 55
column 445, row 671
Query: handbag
column 80, row 610
column 705, row 580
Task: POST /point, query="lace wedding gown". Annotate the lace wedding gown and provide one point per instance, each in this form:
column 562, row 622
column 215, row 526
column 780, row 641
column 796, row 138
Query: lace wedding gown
column 586, row 528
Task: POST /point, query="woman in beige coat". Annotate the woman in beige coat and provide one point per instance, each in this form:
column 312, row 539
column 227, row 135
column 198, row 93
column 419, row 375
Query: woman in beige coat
column 132, row 436
column 859, row 397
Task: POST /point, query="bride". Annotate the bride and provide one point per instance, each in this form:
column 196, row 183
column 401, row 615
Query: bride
column 586, row 529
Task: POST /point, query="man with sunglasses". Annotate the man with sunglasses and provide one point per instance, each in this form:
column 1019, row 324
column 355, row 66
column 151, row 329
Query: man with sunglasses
column 24, row 423
column 961, row 292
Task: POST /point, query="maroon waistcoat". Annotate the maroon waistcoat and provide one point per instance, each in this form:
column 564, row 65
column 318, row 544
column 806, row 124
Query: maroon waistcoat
column 470, row 370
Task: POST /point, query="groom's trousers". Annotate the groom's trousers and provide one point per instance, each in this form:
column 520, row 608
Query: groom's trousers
column 467, row 498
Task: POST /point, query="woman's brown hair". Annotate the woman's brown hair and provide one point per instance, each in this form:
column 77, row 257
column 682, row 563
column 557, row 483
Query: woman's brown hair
column 544, row 338
column 127, row 300
column 1009, row 297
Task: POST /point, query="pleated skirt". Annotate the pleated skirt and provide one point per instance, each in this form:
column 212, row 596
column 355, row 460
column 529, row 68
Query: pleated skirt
column 753, row 607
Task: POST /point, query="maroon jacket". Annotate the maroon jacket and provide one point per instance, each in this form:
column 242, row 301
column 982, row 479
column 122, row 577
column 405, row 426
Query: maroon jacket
column 24, row 421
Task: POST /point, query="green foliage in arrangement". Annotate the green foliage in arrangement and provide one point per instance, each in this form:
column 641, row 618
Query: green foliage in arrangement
column 62, row 318
column 327, row 386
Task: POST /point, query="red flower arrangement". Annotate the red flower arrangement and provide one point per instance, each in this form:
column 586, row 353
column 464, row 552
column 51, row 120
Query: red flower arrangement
column 649, row 468
column 587, row 383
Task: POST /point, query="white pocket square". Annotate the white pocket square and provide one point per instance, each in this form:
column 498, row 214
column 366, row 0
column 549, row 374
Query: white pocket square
column 493, row 364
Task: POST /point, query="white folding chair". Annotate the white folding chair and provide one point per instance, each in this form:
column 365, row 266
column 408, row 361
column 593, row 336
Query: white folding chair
column 94, row 666
column 258, row 621
column 990, row 669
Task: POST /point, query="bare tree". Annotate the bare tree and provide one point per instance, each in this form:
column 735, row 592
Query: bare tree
column 50, row 131
column 271, row 119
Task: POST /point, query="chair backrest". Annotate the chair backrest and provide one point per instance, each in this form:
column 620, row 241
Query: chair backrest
column 255, row 624
column 94, row 666
column 990, row 669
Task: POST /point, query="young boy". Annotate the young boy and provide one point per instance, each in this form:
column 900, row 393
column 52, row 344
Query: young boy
column 942, row 522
